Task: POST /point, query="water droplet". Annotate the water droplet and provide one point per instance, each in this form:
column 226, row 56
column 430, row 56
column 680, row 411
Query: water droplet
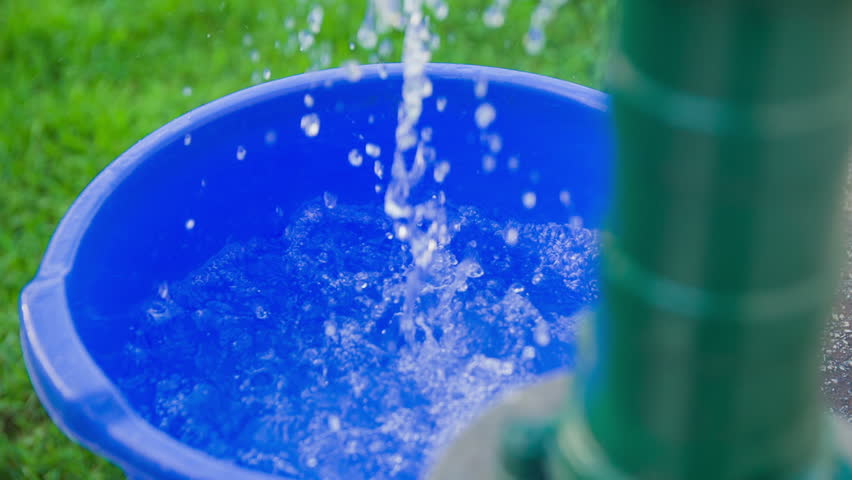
column 241, row 153
column 528, row 199
column 385, row 48
column 254, row 56
column 187, row 139
column 315, row 17
column 511, row 236
column 190, row 224
column 485, row 115
column 329, row 199
column 271, row 137
column 565, row 197
column 534, row 41
column 373, row 150
column 481, row 88
column 441, row 103
column 489, row 163
column 441, row 171
column 309, row 100
column 367, row 37
column 247, row 40
column 351, row 47
column 355, row 158
column 306, row 40
column 494, row 16
column 516, row 288
column 353, row 70
column 187, row 91
column 378, row 168
column 311, row 124
column 289, row 23
column 267, row 74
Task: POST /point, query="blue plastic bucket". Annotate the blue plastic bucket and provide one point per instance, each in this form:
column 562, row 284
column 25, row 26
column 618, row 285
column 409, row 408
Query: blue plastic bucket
column 128, row 232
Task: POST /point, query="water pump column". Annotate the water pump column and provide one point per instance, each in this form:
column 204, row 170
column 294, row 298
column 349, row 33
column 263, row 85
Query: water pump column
column 734, row 121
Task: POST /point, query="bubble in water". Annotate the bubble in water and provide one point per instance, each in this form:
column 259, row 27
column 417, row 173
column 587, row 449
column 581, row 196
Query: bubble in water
column 401, row 232
column 441, row 171
column 371, row 119
column 485, row 115
column 441, row 103
column 383, row 73
column 311, row 462
column 528, row 199
column 373, row 150
column 311, row 124
column 247, row 40
column 367, row 36
column 514, row 163
column 489, row 163
column 495, row 142
column 528, row 353
column 541, row 334
column 289, row 23
column 315, row 17
column 481, row 88
column 329, row 199
column 565, row 197
column 261, row 313
column 511, row 236
column 378, row 168
column 334, row 423
column 355, row 158
column 537, row 278
column 190, row 224
column 255, row 56
column 271, row 137
column 267, row 74
column 187, row 91
column 187, row 139
column 353, row 70
column 241, row 153
column 163, row 290
column 309, row 100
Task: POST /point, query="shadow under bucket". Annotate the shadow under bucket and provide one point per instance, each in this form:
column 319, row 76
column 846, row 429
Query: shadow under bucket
column 225, row 300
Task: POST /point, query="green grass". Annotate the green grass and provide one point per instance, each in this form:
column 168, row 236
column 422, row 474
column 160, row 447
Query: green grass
column 82, row 80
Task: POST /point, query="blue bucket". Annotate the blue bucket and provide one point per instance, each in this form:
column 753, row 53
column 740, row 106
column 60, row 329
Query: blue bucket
column 230, row 171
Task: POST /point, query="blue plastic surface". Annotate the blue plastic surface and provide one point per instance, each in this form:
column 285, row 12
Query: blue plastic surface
column 126, row 233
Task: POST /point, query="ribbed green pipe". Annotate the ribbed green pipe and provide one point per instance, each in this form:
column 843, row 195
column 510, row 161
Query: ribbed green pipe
column 733, row 123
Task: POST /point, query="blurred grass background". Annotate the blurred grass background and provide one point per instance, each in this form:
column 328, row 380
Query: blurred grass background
column 82, row 80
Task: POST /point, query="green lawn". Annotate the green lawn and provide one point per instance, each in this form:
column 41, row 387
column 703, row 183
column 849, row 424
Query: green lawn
column 82, row 80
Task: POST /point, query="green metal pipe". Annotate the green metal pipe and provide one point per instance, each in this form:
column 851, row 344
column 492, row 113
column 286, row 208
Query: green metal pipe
column 733, row 122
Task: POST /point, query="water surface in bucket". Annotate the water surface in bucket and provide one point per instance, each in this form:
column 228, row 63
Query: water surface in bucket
column 287, row 354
